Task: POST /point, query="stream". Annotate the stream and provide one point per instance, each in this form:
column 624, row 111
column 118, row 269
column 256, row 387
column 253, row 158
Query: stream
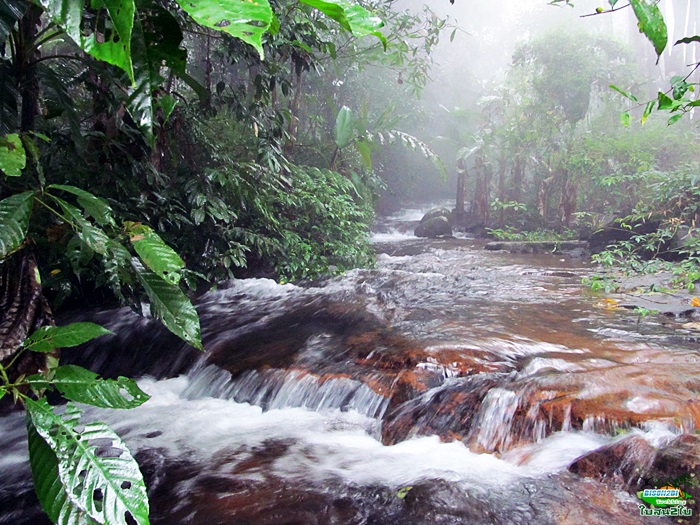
column 450, row 385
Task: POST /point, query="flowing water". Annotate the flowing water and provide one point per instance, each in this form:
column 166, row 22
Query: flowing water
column 475, row 378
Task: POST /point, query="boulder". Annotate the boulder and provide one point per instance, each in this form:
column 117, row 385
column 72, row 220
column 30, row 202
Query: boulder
column 437, row 212
column 435, row 227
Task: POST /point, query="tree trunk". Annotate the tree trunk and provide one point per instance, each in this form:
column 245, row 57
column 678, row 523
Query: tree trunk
column 460, row 212
column 293, row 127
column 23, row 309
column 25, row 70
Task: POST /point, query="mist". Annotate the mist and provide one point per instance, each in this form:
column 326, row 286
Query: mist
column 473, row 59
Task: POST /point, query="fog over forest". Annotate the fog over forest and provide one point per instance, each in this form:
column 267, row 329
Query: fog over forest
column 476, row 61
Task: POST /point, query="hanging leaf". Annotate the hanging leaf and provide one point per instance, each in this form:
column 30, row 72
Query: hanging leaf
column 95, row 238
column 11, row 11
column 651, row 23
column 352, row 17
column 242, row 19
column 365, row 150
column 154, row 253
column 624, row 93
column 48, row 338
column 647, row 111
column 689, row 40
column 344, row 127
column 13, row 158
column 111, row 44
column 97, row 471
column 14, row 222
column 51, row 493
column 170, row 305
column 84, row 386
column 674, row 118
column 94, row 206
column 625, row 118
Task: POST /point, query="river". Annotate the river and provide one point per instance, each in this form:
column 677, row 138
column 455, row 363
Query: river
column 449, row 385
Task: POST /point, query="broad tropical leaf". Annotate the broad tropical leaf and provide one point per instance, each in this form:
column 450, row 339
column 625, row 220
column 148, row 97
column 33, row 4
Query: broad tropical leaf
column 246, row 20
column 97, row 471
column 13, row 158
column 112, row 46
column 344, row 127
column 170, row 305
column 399, row 137
column 352, row 17
column 49, row 338
column 96, row 207
column 60, row 509
column 56, row 81
column 14, row 221
column 84, row 386
column 95, row 238
column 651, row 23
column 156, row 42
column 11, row 11
column 154, row 253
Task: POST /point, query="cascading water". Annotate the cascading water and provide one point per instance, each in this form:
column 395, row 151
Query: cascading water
column 474, row 378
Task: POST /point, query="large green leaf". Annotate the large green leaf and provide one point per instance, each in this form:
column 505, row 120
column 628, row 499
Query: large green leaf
column 170, row 305
column 98, row 473
column 96, row 207
column 155, row 43
column 84, row 386
column 352, row 17
column 48, row 338
column 95, row 238
column 651, row 23
column 344, row 127
column 10, row 12
column 112, row 43
column 14, row 221
column 154, row 253
column 247, row 20
column 13, row 158
column 60, row 509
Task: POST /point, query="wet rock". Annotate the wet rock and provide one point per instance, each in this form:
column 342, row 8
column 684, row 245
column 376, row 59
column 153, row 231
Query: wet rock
column 573, row 247
column 448, row 411
column 621, row 464
column 435, row 227
column 632, row 464
column 437, row 212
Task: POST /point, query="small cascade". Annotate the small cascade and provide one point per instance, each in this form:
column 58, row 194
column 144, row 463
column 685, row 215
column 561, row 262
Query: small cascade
column 496, row 419
column 277, row 389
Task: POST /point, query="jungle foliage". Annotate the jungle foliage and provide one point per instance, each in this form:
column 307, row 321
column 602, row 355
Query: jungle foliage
column 151, row 146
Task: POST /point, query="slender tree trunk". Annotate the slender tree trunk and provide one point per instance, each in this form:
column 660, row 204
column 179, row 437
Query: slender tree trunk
column 460, row 212
column 518, row 177
column 293, row 127
column 25, row 70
